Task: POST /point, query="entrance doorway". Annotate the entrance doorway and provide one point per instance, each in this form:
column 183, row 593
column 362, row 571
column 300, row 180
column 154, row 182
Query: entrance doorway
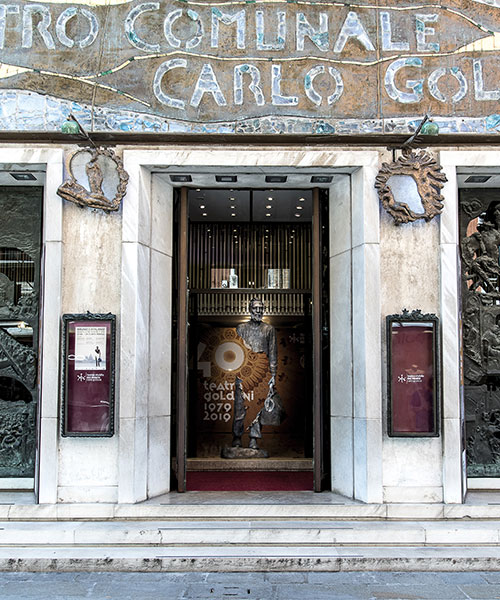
column 480, row 242
column 249, row 414
column 20, row 245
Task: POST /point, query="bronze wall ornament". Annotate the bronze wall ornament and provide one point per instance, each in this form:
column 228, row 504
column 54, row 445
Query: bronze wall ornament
column 426, row 172
column 74, row 189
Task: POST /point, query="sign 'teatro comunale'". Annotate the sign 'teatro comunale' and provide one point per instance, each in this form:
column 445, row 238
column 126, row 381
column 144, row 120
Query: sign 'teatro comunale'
column 210, row 60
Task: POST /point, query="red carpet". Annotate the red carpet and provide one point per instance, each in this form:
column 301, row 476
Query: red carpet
column 249, row 481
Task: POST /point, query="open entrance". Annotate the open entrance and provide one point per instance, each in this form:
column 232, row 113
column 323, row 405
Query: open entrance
column 249, row 409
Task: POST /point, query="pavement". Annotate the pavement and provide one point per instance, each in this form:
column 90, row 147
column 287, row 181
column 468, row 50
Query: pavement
column 367, row 585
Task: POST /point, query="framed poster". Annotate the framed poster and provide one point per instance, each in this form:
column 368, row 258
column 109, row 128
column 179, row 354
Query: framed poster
column 413, row 375
column 88, row 377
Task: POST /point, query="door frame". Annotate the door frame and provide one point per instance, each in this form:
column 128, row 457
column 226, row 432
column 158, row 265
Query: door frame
column 355, row 394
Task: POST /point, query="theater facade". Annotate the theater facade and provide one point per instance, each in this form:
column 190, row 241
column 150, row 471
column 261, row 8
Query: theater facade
column 249, row 246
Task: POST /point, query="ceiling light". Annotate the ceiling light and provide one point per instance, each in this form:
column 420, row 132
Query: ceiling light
column 301, row 199
column 477, row 179
column 226, row 178
column 23, row 176
column 268, row 214
column 233, row 207
column 297, row 214
column 232, row 199
column 204, row 215
column 198, row 189
column 268, row 206
column 180, row 178
column 233, row 214
column 270, row 199
column 299, row 207
column 275, row 178
column 202, row 206
column 321, row 179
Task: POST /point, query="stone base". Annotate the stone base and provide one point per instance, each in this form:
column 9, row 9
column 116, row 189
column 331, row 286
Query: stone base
column 230, row 452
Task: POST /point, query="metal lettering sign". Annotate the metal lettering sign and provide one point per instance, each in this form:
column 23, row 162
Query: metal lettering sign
column 267, row 66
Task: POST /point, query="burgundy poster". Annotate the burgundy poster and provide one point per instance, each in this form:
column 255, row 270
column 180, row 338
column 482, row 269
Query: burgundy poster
column 88, row 377
column 412, row 386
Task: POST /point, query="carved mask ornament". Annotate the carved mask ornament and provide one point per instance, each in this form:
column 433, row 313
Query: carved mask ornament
column 97, row 179
column 429, row 179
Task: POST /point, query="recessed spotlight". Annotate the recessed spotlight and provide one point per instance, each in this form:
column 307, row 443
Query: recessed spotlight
column 302, row 199
column 233, row 214
column 477, row 179
column 232, row 206
column 275, row 178
column 198, row 189
column 232, row 199
column 268, row 206
column 321, row 179
column 226, row 178
column 270, row 199
column 298, row 215
column 204, row 215
column 23, row 176
column 202, row 206
column 235, row 230
column 299, row 207
column 180, row 178
column 268, row 214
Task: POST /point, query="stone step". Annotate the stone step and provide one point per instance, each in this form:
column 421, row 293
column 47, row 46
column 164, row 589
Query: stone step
column 249, row 559
column 215, row 510
column 244, row 534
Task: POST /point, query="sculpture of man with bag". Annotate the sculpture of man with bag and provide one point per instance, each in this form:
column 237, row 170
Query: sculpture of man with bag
column 258, row 337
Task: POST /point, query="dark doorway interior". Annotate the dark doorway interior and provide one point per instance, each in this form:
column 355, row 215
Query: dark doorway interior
column 241, row 245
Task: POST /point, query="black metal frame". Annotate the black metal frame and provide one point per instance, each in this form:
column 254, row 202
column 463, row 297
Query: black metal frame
column 88, row 316
column 415, row 316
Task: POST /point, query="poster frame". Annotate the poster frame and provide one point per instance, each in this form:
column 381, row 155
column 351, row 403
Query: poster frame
column 410, row 318
column 97, row 319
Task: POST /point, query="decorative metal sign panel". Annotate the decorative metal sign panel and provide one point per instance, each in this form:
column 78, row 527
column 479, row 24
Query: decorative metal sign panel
column 267, row 66
column 88, row 376
column 20, row 237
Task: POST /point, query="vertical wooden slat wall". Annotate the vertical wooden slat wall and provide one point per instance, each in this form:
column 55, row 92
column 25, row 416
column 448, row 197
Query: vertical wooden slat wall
column 251, row 251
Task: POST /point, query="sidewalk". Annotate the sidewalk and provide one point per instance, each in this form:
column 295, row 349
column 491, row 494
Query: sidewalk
column 250, row 586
